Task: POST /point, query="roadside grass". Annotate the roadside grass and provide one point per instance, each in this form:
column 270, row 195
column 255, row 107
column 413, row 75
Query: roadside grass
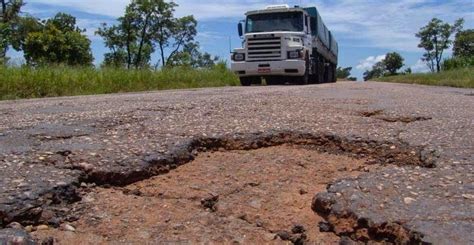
column 25, row 82
column 460, row 78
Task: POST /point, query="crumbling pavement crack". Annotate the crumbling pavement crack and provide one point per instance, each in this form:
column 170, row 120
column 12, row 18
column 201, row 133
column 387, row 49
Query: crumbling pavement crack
column 379, row 115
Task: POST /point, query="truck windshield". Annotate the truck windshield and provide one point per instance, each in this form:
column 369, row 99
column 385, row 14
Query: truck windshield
column 289, row 21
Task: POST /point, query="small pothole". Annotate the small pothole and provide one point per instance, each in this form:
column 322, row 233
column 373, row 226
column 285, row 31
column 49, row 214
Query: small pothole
column 379, row 114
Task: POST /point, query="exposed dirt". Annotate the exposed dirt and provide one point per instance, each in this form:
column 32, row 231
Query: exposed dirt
column 255, row 196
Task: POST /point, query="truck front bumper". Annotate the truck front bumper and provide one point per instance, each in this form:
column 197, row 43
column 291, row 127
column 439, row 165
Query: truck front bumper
column 269, row 68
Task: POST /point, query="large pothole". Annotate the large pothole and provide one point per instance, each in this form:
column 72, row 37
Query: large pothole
column 239, row 188
column 260, row 196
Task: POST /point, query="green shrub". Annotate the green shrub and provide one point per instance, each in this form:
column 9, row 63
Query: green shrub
column 461, row 78
column 457, row 62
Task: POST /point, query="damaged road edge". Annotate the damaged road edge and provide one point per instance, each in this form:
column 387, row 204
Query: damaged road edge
column 344, row 222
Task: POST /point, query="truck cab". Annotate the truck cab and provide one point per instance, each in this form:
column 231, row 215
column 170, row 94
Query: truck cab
column 282, row 45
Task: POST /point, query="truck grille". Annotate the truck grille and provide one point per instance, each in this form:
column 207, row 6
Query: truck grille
column 268, row 48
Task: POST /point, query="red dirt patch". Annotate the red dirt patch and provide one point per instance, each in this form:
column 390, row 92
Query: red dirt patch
column 236, row 196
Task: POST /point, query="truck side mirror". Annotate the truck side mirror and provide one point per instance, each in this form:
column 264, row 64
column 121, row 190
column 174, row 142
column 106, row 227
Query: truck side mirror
column 241, row 31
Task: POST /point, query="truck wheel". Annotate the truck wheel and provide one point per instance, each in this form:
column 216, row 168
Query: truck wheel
column 245, row 81
column 271, row 81
column 334, row 74
column 326, row 74
column 256, row 80
column 303, row 80
column 321, row 71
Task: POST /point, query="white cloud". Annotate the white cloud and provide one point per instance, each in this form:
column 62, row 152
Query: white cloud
column 420, row 67
column 369, row 62
column 389, row 24
column 91, row 26
column 112, row 8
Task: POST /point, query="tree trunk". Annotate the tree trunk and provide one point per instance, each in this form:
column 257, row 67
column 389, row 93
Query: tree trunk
column 180, row 42
column 163, row 61
column 439, row 60
column 4, row 10
column 3, row 52
column 129, row 55
column 162, row 49
column 142, row 40
column 436, row 53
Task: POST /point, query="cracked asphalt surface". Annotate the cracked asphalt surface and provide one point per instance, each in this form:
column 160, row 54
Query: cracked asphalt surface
column 49, row 147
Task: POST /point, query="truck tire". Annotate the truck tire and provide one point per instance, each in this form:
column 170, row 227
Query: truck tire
column 330, row 74
column 321, row 71
column 326, row 73
column 313, row 78
column 303, row 80
column 245, row 81
column 256, row 80
column 272, row 81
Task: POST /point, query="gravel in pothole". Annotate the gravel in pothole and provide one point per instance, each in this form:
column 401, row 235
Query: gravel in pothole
column 256, row 196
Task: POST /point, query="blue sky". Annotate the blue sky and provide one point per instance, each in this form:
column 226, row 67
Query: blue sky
column 366, row 30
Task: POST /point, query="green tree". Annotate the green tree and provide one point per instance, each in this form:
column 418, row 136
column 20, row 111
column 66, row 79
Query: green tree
column 145, row 14
column 121, row 41
column 458, row 62
column 147, row 25
column 10, row 9
column 345, row 74
column 393, row 62
column 183, row 32
column 131, row 41
column 191, row 56
column 378, row 70
column 9, row 14
column 435, row 39
column 464, row 43
column 59, row 41
column 21, row 28
column 4, row 42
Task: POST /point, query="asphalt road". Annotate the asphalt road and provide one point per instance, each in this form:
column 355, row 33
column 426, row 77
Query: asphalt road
column 423, row 136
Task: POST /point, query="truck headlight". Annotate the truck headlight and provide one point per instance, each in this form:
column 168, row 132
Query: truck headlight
column 297, row 54
column 238, row 57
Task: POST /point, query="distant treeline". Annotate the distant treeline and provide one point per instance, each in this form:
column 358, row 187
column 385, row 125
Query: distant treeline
column 435, row 39
column 147, row 27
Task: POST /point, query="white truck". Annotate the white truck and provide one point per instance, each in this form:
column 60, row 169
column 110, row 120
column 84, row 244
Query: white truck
column 285, row 45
